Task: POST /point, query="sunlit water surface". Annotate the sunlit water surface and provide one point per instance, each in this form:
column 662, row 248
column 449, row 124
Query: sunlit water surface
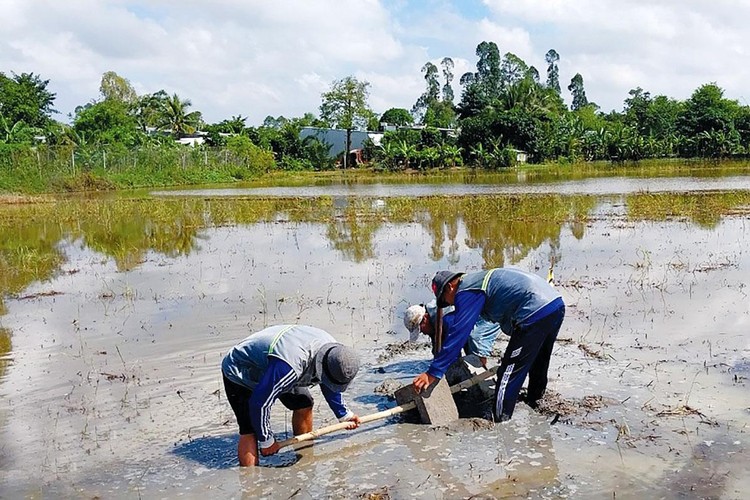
column 600, row 186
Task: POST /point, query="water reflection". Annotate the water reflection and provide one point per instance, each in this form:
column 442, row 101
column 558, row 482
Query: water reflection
column 504, row 228
column 704, row 210
column 350, row 231
column 4, row 348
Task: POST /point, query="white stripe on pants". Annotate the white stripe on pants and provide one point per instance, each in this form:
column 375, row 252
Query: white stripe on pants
column 501, row 390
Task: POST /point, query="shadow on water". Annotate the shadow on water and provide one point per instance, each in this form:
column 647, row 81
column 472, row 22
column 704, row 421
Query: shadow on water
column 220, row 452
column 408, row 367
column 381, row 402
column 212, row 452
column 707, row 471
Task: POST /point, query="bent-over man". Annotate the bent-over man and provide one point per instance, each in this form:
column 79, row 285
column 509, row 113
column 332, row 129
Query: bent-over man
column 282, row 362
column 525, row 306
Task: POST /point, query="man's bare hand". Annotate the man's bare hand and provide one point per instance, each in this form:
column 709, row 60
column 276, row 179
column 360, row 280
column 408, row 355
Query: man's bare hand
column 353, row 422
column 271, row 450
column 423, row 381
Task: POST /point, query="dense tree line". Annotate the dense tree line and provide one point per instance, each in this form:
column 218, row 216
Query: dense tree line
column 504, row 106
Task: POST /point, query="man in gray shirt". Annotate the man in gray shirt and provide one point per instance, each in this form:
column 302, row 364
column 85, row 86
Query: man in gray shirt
column 282, row 362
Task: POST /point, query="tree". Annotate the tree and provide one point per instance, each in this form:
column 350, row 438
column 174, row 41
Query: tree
column 661, row 117
column 481, row 87
column 25, row 98
column 654, row 119
column 429, row 109
column 515, row 128
column 397, row 116
column 707, row 122
column 271, row 122
column 636, row 109
column 345, row 106
column 512, row 70
column 553, row 76
column 440, row 114
column 742, row 124
column 578, row 93
column 310, row 120
column 235, row 125
column 488, row 67
column 430, row 95
column 317, row 153
column 247, row 154
column 174, row 116
column 148, row 109
column 107, row 122
column 447, row 64
column 17, row 133
column 113, row 87
column 533, row 74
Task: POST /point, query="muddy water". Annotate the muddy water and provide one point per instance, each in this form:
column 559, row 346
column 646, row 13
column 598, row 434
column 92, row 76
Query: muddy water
column 116, row 315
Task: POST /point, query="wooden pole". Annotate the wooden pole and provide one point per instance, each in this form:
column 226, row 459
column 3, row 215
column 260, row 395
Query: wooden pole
column 383, row 414
column 438, row 344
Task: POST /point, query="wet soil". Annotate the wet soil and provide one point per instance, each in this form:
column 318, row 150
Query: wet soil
column 111, row 385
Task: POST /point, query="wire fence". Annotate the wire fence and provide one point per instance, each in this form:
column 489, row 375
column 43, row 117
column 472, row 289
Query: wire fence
column 77, row 159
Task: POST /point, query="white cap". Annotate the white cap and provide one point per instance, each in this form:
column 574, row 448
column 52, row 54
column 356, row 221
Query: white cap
column 412, row 319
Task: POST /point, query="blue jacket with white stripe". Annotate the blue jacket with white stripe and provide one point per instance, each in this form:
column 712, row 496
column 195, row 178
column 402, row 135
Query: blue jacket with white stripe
column 276, row 360
column 508, row 296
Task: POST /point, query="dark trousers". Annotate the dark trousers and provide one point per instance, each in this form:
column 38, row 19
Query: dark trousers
column 528, row 353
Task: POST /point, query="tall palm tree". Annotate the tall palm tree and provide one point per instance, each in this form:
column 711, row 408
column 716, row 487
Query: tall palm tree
column 174, row 116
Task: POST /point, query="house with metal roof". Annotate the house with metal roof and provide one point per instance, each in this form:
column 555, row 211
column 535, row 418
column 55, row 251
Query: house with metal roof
column 336, row 138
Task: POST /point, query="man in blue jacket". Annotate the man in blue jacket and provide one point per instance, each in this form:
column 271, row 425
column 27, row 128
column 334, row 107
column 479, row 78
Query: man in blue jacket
column 525, row 306
column 281, row 362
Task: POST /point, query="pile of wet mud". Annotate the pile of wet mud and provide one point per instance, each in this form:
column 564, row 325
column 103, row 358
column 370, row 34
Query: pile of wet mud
column 465, row 425
column 400, row 348
column 377, row 494
column 571, row 411
column 388, row 388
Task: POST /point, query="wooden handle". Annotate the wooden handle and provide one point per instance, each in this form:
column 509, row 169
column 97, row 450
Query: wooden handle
column 342, row 425
column 469, row 382
column 382, row 414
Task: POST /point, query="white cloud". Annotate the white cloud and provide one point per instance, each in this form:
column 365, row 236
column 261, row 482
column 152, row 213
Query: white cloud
column 257, row 58
column 669, row 47
column 508, row 39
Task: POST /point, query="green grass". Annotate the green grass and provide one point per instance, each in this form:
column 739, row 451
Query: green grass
column 41, row 169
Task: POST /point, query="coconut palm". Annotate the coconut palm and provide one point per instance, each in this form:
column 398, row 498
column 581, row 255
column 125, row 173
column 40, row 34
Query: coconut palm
column 174, row 115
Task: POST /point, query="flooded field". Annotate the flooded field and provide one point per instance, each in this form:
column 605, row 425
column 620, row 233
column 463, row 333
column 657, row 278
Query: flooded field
column 115, row 314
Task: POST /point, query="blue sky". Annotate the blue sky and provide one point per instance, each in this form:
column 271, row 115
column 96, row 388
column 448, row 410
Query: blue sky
column 256, row 58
